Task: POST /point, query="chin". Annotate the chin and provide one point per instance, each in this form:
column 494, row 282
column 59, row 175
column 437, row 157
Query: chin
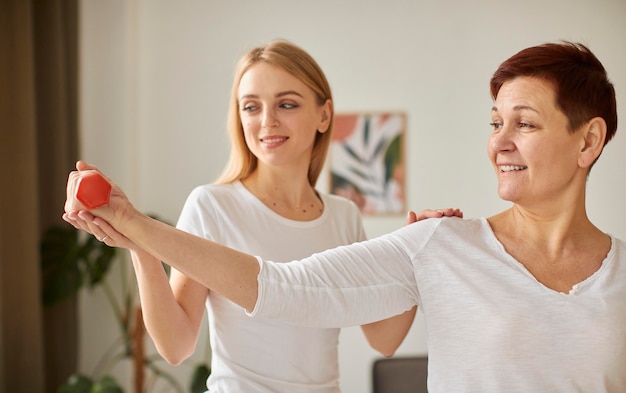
column 506, row 195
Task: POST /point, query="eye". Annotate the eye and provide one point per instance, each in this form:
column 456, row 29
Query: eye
column 249, row 108
column 496, row 125
column 287, row 105
column 526, row 126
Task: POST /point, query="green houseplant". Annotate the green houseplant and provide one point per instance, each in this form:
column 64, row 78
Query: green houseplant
column 72, row 260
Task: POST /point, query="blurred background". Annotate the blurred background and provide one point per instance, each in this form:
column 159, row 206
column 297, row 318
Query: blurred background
column 141, row 88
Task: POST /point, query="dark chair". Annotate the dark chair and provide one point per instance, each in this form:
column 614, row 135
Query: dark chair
column 400, row 375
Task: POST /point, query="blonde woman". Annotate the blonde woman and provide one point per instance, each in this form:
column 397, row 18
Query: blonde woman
column 265, row 203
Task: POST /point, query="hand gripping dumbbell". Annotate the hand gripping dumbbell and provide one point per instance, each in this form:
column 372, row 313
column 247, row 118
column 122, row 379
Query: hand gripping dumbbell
column 93, row 191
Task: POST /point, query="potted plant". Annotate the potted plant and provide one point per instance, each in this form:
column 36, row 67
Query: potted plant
column 72, row 260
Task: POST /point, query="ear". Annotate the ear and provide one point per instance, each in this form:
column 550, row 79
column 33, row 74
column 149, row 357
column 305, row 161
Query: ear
column 326, row 115
column 592, row 142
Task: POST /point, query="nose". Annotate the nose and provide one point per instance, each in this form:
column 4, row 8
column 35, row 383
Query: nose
column 269, row 119
column 502, row 140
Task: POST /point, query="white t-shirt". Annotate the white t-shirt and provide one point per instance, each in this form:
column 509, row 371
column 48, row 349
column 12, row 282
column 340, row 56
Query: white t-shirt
column 492, row 327
column 257, row 355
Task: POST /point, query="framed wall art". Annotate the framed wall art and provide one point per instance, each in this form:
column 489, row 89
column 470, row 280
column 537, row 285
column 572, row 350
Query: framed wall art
column 367, row 163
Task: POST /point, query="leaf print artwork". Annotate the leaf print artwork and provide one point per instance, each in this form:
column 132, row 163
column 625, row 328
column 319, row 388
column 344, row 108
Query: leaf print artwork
column 367, row 161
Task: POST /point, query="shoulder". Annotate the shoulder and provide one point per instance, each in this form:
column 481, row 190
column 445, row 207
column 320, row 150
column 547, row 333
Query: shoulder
column 213, row 192
column 463, row 224
column 619, row 243
column 211, row 199
column 454, row 224
column 338, row 206
column 464, row 230
column 447, row 229
column 208, row 207
column 619, row 248
column 338, row 202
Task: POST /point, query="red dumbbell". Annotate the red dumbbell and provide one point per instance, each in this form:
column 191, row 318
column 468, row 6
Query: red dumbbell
column 93, row 191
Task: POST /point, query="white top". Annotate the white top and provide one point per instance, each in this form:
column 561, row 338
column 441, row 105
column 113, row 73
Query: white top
column 258, row 355
column 492, row 327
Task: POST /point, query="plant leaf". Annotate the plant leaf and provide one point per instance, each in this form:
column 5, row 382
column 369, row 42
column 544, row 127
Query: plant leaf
column 198, row 378
column 107, row 384
column 68, row 262
column 61, row 273
column 76, row 383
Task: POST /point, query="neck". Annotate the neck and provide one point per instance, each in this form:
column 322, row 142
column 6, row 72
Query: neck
column 559, row 250
column 545, row 231
column 289, row 196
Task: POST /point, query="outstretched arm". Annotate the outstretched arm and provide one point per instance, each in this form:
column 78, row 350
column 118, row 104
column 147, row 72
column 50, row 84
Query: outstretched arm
column 233, row 274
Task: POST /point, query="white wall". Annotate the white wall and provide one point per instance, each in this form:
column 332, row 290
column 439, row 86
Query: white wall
column 156, row 76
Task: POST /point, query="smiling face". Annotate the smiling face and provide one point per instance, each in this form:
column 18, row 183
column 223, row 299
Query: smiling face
column 533, row 152
column 280, row 116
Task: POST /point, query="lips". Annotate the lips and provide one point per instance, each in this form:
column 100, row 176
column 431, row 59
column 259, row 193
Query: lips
column 274, row 139
column 511, row 168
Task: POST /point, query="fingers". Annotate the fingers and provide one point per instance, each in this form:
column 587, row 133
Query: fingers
column 84, row 166
column 78, row 221
column 73, row 179
column 411, row 218
column 71, row 191
column 450, row 212
column 67, row 217
column 87, row 220
column 83, row 170
column 113, row 237
column 99, row 228
column 454, row 213
column 96, row 218
column 83, row 220
column 424, row 214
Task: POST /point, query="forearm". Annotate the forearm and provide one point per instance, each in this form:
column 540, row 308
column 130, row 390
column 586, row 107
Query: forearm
column 231, row 273
column 173, row 329
column 386, row 336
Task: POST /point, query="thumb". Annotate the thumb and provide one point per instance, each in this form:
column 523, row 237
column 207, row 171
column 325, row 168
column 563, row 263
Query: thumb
column 411, row 217
column 84, row 166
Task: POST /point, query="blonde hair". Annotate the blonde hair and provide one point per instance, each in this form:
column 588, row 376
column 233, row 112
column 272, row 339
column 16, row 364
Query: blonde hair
column 298, row 63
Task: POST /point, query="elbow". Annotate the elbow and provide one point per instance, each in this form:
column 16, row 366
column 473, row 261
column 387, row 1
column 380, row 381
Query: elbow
column 174, row 356
column 173, row 359
column 386, row 351
column 388, row 354
column 383, row 343
column 387, row 348
column 174, row 346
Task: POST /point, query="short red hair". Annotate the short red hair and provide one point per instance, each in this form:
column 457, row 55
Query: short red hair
column 582, row 87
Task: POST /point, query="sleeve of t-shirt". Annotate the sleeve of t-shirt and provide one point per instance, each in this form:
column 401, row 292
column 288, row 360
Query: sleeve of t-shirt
column 345, row 286
column 198, row 215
